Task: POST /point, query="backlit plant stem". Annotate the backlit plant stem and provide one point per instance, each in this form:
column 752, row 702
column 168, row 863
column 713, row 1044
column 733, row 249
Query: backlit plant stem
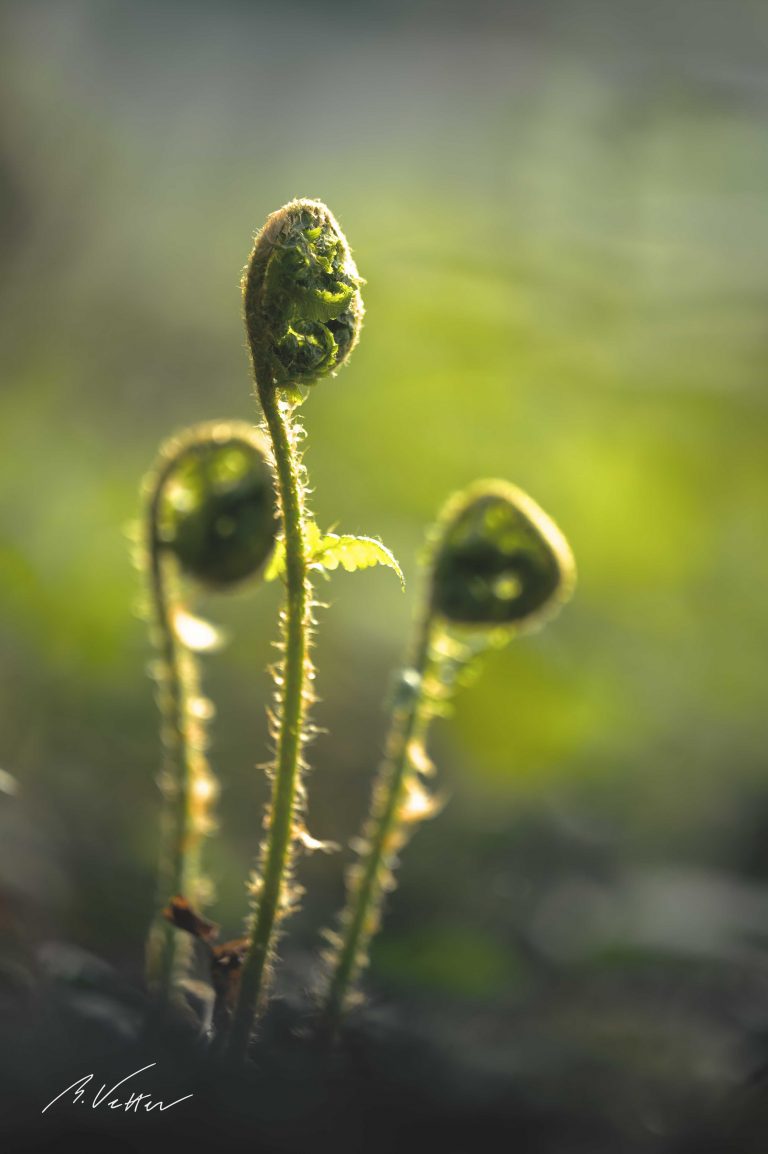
column 294, row 696
column 177, row 684
column 210, row 521
column 383, row 837
column 303, row 312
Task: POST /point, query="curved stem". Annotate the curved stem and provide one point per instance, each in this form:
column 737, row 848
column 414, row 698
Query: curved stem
column 277, row 852
column 177, row 681
column 360, row 918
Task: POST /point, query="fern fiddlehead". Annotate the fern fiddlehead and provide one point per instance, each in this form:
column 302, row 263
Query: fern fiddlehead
column 210, row 519
column 303, row 311
column 496, row 566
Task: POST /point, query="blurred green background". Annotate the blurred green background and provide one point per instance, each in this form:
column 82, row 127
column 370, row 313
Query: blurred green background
column 559, row 210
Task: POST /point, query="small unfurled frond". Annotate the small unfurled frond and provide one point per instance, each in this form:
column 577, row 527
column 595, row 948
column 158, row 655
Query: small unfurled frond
column 354, row 553
column 328, row 551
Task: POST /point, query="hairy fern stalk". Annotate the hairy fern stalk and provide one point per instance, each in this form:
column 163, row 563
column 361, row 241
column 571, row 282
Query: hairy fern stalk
column 497, row 565
column 303, row 312
column 209, row 522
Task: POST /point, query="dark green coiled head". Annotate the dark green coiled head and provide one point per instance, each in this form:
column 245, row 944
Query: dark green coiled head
column 217, row 508
column 498, row 561
column 301, row 289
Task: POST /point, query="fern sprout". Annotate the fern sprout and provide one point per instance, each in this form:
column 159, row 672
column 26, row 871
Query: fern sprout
column 209, row 521
column 303, row 311
column 497, row 565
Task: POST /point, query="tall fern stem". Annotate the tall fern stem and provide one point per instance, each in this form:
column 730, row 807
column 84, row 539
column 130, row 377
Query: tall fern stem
column 303, row 311
column 210, row 519
column 177, row 675
column 273, row 886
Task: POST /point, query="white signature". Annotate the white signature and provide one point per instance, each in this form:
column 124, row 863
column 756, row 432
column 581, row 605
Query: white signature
column 104, row 1097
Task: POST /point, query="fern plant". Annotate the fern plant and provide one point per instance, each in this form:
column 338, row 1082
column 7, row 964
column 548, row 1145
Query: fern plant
column 209, row 521
column 303, row 311
column 227, row 501
column 496, row 565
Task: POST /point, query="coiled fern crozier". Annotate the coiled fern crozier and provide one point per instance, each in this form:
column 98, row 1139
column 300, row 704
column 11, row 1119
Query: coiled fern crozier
column 303, row 312
column 496, row 565
column 210, row 520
